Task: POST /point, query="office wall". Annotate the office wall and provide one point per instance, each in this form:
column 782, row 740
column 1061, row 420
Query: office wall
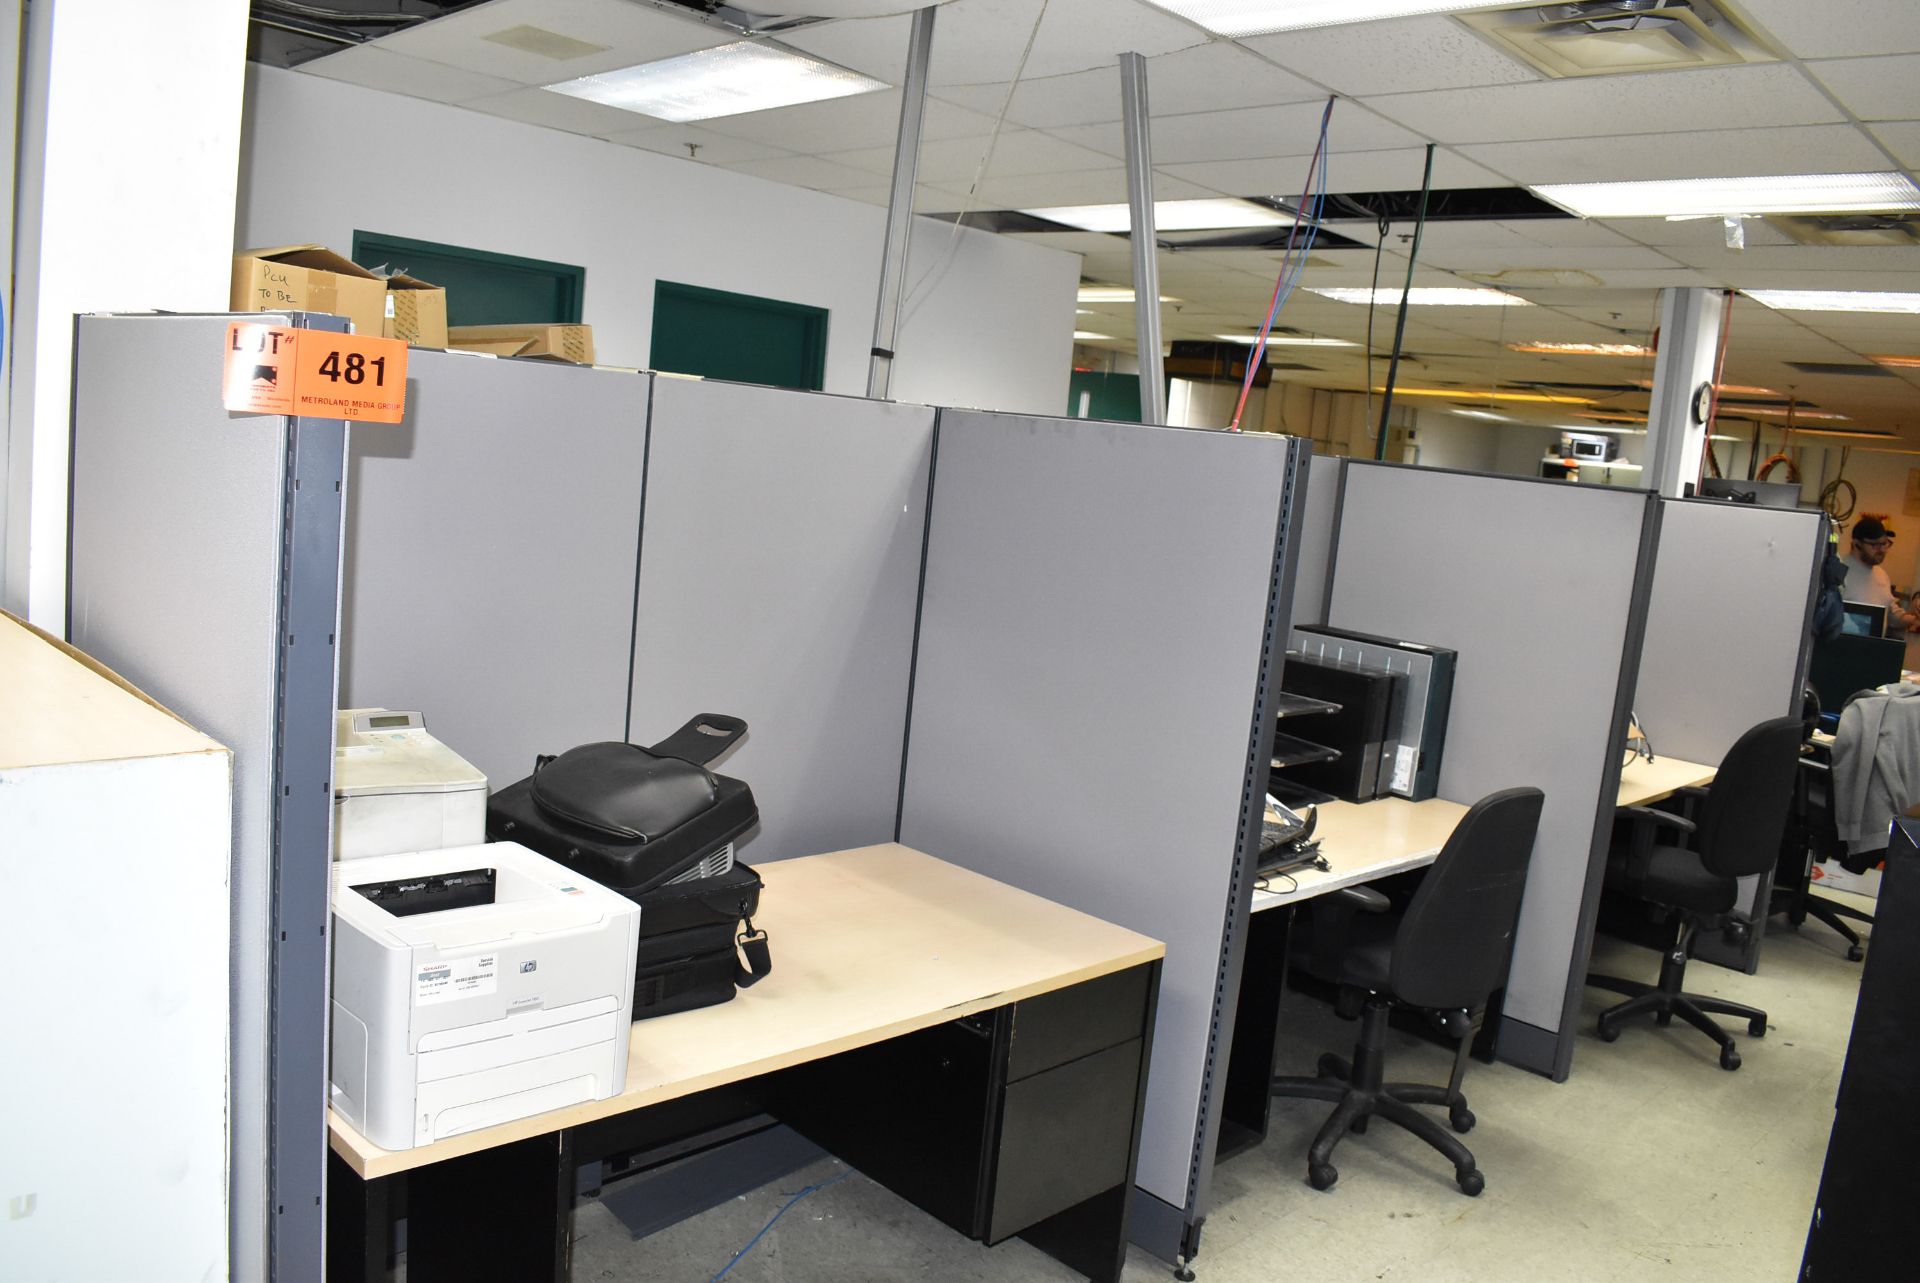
column 1538, row 586
column 994, row 329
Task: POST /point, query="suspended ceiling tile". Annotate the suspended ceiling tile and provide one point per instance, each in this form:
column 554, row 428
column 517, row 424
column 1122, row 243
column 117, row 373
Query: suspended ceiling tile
column 1839, row 28
column 1392, row 169
column 1697, row 233
column 1209, row 77
column 558, row 111
column 1720, row 153
column 805, row 171
column 1604, row 262
column 1405, row 56
column 926, row 199
column 1079, row 187
column 1018, row 152
column 844, row 124
column 1570, row 233
column 1074, row 242
column 1251, row 131
column 373, row 66
column 629, row 33
column 708, row 148
column 979, row 41
column 1848, row 261
column 1874, row 88
column 1902, row 138
column 1603, row 106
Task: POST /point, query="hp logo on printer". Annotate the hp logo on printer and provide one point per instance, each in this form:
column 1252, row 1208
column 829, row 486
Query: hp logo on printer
column 526, row 967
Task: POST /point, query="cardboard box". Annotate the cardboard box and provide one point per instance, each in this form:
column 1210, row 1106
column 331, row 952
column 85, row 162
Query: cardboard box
column 416, row 311
column 116, row 841
column 555, row 342
column 309, row 278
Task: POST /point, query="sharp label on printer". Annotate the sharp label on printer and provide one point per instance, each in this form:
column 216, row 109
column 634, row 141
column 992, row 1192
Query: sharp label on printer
column 1404, row 761
column 461, row 978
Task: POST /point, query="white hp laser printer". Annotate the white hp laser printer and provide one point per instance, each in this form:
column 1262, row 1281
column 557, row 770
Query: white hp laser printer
column 396, row 788
column 474, row 985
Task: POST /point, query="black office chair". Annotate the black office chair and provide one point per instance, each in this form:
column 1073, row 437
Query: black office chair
column 1813, row 834
column 1742, row 816
column 1446, row 952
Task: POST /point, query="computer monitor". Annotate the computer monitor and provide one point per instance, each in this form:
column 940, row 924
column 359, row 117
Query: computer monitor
column 1863, row 620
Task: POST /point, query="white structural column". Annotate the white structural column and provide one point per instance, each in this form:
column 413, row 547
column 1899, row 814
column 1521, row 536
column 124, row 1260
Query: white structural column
column 1677, row 436
column 1145, row 235
column 129, row 155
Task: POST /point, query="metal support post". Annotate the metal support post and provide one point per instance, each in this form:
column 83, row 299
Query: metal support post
column 1146, row 263
column 906, row 167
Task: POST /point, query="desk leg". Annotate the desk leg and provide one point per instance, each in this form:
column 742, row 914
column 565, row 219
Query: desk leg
column 503, row 1215
column 1247, row 1098
column 359, row 1224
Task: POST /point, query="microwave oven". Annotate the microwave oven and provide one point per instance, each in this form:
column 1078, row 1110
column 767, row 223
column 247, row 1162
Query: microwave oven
column 1589, row 447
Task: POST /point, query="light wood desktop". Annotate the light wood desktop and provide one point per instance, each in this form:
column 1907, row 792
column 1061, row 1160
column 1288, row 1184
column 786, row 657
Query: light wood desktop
column 869, row 945
column 1643, row 782
column 1367, row 840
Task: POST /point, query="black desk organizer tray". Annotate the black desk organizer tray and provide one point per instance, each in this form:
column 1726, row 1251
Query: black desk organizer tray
column 643, row 822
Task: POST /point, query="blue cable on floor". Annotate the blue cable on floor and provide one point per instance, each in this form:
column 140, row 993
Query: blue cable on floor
column 741, row 1255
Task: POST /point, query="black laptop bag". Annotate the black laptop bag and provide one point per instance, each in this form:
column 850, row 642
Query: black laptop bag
column 642, row 821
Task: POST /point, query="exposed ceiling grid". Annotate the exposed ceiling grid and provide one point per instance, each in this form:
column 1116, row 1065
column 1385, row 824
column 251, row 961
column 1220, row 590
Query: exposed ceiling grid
column 1239, row 119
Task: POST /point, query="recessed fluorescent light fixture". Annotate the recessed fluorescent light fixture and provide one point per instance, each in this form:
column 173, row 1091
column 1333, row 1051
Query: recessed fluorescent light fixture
column 1718, row 197
column 748, row 75
column 1113, row 294
column 1168, row 216
column 1583, row 349
column 1834, row 301
column 1777, row 412
column 1423, row 296
column 1725, row 389
column 1492, row 396
column 1087, row 336
column 1898, row 362
column 1263, row 17
column 1488, row 415
column 1284, row 340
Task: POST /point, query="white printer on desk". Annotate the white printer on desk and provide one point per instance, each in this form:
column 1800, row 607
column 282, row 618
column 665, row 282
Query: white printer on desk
column 396, row 788
column 474, row 985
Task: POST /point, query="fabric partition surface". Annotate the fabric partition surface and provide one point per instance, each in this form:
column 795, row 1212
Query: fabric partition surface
column 1726, row 644
column 779, row 578
column 1100, row 613
column 1319, row 518
column 491, row 540
column 1540, row 588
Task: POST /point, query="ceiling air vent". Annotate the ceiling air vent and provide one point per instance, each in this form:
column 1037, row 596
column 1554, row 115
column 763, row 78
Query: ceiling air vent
column 1901, row 230
column 1615, row 37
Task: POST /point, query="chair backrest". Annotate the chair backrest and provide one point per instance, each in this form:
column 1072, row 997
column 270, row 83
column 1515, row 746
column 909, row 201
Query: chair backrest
column 1745, row 813
column 1455, row 939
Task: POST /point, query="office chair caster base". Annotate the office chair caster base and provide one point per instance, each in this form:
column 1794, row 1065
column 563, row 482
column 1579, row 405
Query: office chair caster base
column 1461, row 1120
column 1663, row 1018
column 1322, row 1175
column 1608, row 1032
column 1729, row 1059
column 1358, row 1126
column 1471, row 1182
column 1855, row 953
column 1332, row 1066
column 1183, row 1272
column 1757, row 1027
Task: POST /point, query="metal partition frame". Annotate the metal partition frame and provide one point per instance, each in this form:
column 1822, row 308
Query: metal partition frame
column 1728, row 635
column 779, row 582
column 1542, row 588
column 1319, row 519
column 492, row 541
column 204, row 566
column 1102, row 618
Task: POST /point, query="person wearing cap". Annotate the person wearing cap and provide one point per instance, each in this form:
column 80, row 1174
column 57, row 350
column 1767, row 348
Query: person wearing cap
column 1867, row 579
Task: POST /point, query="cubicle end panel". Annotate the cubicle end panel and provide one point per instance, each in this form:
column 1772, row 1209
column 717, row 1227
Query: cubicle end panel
column 490, row 556
column 1102, row 604
column 779, row 580
column 1539, row 587
column 1318, row 520
column 203, row 566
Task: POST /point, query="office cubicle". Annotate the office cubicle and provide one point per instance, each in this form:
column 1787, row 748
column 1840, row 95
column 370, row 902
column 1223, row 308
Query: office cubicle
column 1728, row 634
column 544, row 555
column 1541, row 588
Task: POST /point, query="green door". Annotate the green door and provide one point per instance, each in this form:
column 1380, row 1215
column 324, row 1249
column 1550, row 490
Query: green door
column 738, row 337
column 482, row 288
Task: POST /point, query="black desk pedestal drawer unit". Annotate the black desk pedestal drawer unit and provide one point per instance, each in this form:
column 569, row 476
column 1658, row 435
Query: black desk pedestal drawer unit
column 1019, row 1120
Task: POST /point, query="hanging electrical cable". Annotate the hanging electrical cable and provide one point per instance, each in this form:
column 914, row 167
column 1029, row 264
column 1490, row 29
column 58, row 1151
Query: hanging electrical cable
column 1312, row 205
column 1406, row 294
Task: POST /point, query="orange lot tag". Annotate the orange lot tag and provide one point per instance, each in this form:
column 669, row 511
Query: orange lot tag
column 273, row 369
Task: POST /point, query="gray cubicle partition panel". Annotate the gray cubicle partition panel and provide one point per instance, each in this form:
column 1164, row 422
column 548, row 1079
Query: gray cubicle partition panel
column 1100, row 611
column 1540, row 588
column 1319, row 517
column 490, row 556
column 779, row 578
column 1728, row 628
column 201, row 573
